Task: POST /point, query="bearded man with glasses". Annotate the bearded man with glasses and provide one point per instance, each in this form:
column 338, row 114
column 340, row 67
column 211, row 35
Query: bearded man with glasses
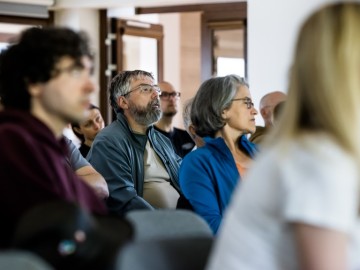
column 180, row 139
column 138, row 162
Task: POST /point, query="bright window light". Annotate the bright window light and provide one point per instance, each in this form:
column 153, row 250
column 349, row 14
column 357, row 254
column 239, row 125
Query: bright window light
column 226, row 66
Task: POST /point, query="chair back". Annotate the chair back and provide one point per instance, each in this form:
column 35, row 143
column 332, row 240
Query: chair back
column 20, row 260
column 187, row 253
column 167, row 224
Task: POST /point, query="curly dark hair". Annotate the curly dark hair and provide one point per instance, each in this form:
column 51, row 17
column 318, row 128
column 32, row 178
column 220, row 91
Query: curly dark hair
column 32, row 59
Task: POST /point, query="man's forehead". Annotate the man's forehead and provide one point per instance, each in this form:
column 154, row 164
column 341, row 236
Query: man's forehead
column 67, row 61
column 141, row 78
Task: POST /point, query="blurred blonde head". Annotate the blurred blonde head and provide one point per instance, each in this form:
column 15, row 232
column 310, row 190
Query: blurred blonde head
column 324, row 89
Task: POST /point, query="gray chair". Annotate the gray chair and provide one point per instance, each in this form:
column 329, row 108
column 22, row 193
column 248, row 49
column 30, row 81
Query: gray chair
column 162, row 224
column 21, row 260
column 187, row 253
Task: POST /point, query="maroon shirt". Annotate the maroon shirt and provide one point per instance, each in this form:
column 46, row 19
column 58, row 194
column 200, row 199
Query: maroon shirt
column 33, row 170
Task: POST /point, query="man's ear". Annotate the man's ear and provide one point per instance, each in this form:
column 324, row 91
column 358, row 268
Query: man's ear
column 35, row 89
column 263, row 113
column 123, row 103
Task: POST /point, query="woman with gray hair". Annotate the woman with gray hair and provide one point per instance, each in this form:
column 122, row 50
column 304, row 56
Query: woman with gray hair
column 222, row 113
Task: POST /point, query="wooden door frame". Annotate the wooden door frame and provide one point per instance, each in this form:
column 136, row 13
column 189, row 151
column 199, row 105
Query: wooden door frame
column 5, row 37
column 211, row 14
column 111, row 50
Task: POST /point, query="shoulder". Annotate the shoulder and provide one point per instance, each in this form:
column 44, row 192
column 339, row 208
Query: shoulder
column 112, row 133
column 180, row 131
column 205, row 155
column 15, row 133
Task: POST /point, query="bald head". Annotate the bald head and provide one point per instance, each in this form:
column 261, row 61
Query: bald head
column 268, row 103
column 166, row 86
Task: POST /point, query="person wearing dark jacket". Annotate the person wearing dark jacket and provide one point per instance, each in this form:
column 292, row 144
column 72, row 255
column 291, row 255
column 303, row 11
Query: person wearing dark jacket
column 138, row 162
column 169, row 102
column 45, row 82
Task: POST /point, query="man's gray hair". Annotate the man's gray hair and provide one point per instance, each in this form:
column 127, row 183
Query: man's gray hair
column 120, row 85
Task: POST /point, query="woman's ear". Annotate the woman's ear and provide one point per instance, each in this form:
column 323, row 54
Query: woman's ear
column 78, row 130
column 224, row 114
column 192, row 131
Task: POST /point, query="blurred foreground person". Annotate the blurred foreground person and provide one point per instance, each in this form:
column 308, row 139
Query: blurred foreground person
column 299, row 206
column 45, row 83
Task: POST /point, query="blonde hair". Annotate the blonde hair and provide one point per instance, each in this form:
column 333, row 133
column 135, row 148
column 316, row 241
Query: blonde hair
column 324, row 88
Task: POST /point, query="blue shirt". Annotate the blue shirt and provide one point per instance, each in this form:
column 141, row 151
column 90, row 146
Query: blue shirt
column 208, row 177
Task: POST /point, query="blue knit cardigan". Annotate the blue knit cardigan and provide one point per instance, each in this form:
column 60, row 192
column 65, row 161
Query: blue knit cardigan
column 208, row 177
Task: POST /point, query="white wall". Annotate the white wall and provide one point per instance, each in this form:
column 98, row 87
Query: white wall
column 272, row 31
column 84, row 20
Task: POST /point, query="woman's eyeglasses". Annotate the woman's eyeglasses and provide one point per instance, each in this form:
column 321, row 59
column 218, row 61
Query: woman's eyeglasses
column 247, row 101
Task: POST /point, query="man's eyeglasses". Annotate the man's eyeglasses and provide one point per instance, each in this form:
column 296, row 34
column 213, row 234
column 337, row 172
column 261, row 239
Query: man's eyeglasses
column 145, row 88
column 167, row 96
column 247, row 101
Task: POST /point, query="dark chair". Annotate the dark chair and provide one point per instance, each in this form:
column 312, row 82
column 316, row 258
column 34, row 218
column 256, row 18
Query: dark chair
column 186, row 253
column 21, row 260
column 165, row 224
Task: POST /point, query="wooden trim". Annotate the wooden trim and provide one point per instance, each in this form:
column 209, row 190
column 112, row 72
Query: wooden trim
column 213, row 17
column 206, row 50
column 148, row 30
column 27, row 20
column 226, row 16
column 235, row 6
column 160, row 58
column 246, row 49
column 225, row 25
column 129, row 27
column 104, row 56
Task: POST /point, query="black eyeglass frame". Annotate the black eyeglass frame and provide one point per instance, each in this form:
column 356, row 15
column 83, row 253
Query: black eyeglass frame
column 247, row 101
column 167, row 96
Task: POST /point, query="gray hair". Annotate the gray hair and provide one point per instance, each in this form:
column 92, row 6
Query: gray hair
column 120, row 85
column 186, row 114
column 213, row 97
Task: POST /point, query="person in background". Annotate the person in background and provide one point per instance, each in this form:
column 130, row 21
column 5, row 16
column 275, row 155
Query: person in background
column 85, row 171
column 299, row 206
column 267, row 105
column 88, row 129
column 223, row 114
column 138, row 163
column 278, row 110
column 45, row 83
column 180, row 139
column 189, row 127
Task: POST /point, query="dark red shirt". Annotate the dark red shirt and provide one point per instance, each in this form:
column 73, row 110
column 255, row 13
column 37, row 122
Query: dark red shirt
column 33, row 170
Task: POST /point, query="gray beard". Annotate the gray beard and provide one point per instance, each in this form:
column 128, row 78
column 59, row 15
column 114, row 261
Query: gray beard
column 145, row 116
